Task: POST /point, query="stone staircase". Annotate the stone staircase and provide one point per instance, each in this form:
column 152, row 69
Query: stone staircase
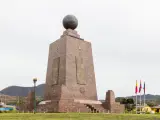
column 91, row 108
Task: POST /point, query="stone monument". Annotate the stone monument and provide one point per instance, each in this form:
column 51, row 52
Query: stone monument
column 70, row 72
column 70, row 80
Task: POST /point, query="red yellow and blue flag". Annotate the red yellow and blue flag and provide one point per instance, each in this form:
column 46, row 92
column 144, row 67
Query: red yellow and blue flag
column 144, row 87
column 140, row 87
column 136, row 89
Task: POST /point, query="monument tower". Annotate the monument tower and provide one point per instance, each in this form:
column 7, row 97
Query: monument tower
column 70, row 79
column 70, row 73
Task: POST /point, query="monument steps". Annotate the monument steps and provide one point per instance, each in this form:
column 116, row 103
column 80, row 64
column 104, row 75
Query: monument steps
column 95, row 109
column 91, row 108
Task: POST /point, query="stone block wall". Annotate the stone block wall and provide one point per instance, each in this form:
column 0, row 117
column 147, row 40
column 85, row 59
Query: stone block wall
column 111, row 105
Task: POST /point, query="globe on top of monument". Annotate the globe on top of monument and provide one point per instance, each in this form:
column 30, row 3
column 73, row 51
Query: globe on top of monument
column 70, row 22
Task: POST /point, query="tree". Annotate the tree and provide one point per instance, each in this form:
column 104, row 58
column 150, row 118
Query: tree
column 151, row 103
column 122, row 100
column 21, row 103
column 130, row 101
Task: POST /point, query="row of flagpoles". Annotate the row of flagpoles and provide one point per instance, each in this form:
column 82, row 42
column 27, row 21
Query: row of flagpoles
column 138, row 90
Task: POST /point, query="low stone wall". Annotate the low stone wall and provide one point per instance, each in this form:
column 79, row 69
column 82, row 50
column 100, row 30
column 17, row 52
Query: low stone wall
column 117, row 108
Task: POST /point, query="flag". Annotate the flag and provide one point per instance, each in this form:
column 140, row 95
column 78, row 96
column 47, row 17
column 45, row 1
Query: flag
column 140, row 87
column 136, row 89
column 144, row 87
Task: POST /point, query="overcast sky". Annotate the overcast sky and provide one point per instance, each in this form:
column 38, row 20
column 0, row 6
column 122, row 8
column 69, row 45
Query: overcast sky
column 125, row 37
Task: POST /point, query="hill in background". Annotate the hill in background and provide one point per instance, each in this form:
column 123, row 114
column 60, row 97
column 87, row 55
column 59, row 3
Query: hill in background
column 22, row 91
column 147, row 97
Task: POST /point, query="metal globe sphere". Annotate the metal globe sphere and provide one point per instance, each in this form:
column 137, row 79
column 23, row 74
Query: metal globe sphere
column 70, row 22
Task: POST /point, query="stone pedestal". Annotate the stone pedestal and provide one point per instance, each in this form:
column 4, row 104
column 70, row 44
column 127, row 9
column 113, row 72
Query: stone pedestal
column 111, row 105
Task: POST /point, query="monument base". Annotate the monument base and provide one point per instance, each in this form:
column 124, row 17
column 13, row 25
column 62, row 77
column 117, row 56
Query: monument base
column 82, row 105
column 72, row 105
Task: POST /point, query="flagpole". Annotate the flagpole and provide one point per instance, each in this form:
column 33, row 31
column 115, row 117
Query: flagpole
column 136, row 91
column 144, row 94
column 136, row 95
column 144, row 99
column 136, row 103
column 140, row 102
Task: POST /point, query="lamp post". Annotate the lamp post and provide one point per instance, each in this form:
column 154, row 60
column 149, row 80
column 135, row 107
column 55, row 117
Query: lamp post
column 34, row 81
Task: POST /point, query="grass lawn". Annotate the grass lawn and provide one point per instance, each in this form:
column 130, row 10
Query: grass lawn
column 75, row 116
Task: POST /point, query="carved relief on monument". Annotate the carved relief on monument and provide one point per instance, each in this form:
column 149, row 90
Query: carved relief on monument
column 80, row 71
column 82, row 90
column 55, row 71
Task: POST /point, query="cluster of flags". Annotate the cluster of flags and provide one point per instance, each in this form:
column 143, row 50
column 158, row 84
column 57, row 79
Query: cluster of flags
column 138, row 90
column 140, row 87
